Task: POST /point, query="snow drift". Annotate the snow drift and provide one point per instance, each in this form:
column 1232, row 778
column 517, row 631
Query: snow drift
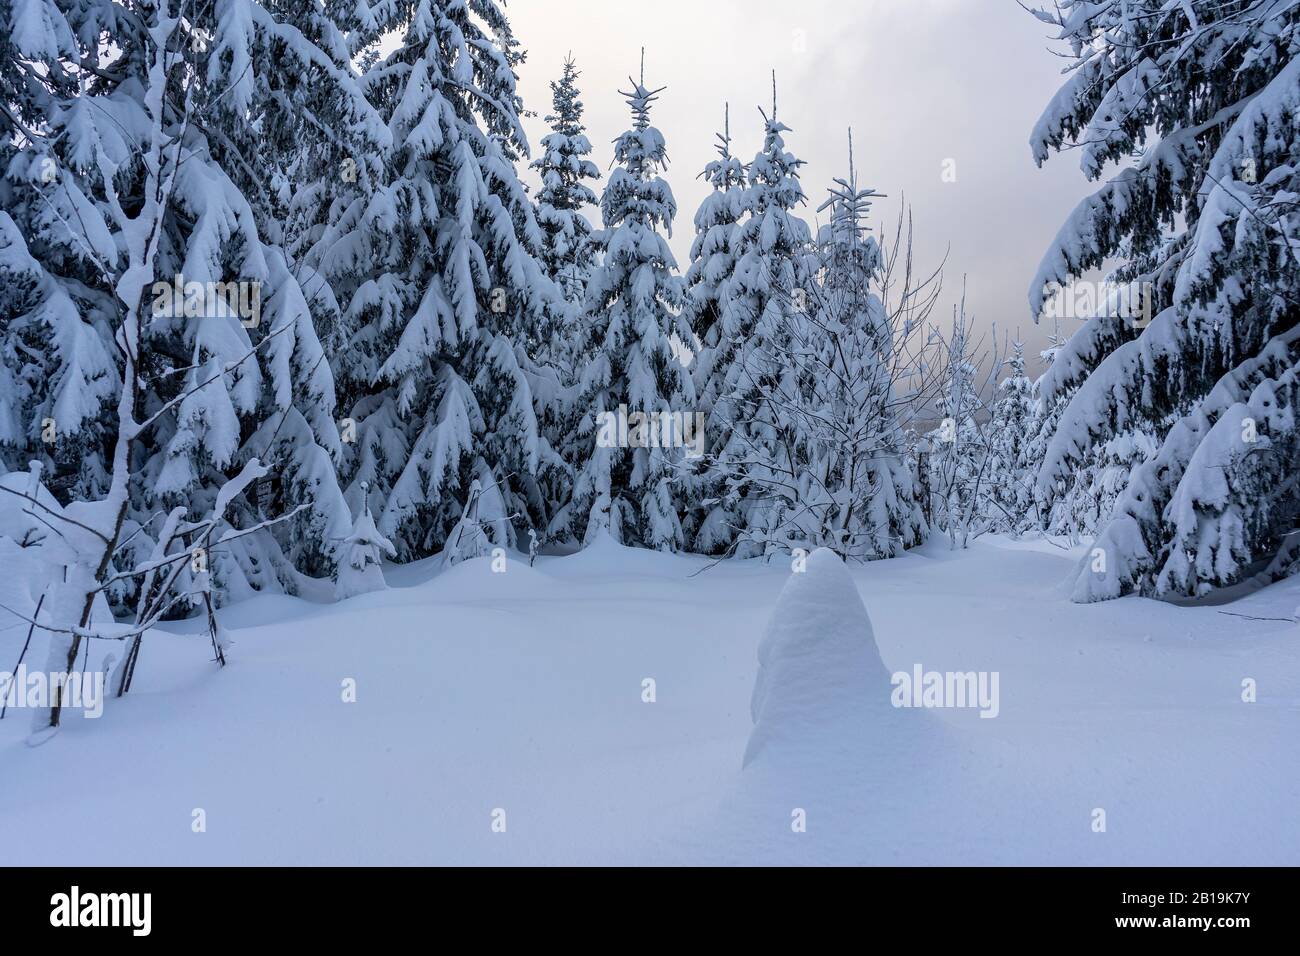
column 820, row 676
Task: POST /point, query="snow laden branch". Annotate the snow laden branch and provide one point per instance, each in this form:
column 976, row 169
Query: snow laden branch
column 1195, row 103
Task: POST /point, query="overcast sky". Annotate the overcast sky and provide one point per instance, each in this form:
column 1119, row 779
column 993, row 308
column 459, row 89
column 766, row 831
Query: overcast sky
column 920, row 81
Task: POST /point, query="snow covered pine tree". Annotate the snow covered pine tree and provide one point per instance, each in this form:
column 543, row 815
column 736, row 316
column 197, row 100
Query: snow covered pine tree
column 627, row 484
column 570, row 252
column 1042, row 426
column 853, row 488
column 568, row 246
column 859, row 376
column 960, row 478
column 139, row 238
column 748, row 434
column 710, row 270
column 1205, row 94
column 1011, row 492
column 436, row 268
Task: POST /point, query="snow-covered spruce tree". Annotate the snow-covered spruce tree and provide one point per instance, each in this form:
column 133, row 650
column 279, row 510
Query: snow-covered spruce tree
column 568, row 246
column 436, row 270
column 57, row 368
column 707, row 277
column 960, row 458
column 628, row 484
column 751, row 443
column 1067, row 505
column 1042, row 427
column 1206, row 95
column 569, row 253
column 712, row 263
column 57, row 372
column 851, row 487
column 1012, row 418
column 229, row 364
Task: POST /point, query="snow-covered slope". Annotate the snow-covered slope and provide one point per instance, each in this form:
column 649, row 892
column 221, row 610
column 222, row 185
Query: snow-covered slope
column 525, row 691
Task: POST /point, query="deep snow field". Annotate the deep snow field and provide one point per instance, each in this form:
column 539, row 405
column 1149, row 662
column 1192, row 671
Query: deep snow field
column 523, row 692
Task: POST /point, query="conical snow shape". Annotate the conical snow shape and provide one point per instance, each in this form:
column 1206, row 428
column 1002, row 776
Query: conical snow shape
column 820, row 676
column 360, row 571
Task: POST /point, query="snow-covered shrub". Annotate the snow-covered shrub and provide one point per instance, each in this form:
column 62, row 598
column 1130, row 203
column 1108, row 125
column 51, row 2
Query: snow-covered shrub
column 39, row 539
column 481, row 527
column 360, row 568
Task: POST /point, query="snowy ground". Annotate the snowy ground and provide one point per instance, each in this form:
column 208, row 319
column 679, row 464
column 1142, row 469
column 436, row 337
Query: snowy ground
column 523, row 691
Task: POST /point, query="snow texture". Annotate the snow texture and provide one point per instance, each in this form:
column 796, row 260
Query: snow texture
column 819, row 672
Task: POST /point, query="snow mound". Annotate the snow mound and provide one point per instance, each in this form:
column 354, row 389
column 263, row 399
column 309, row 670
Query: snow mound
column 491, row 578
column 604, row 556
column 820, row 676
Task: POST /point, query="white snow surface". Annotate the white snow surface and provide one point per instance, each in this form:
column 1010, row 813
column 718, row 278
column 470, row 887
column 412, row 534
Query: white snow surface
column 522, row 691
